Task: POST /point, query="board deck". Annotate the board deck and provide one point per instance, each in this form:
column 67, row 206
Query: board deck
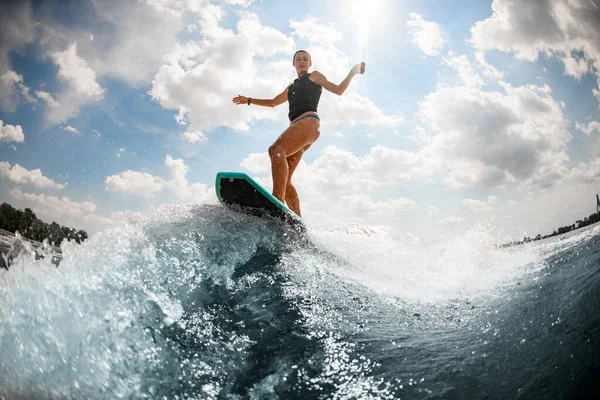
column 239, row 190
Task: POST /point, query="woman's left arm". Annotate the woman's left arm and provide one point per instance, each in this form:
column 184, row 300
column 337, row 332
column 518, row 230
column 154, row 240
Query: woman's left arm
column 320, row 79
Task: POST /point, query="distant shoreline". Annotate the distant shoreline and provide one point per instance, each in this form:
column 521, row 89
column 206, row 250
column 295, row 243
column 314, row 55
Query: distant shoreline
column 593, row 220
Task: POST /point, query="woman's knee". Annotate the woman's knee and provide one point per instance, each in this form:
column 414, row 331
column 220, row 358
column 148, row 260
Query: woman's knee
column 276, row 151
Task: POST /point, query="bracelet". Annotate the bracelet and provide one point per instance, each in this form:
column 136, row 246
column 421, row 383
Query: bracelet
column 249, row 100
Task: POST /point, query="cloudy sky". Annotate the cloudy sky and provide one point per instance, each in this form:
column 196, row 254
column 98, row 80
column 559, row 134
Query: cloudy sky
column 470, row 111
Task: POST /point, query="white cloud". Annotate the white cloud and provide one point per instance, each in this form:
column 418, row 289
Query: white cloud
column 169, row 8
column 354, row 109
column 196, row 192
column 133, row 182
column 11, row 133
column 82, row 87
column 465, row 70
column 365, row 208
column 492, row 139
column 432, row 210
column 13, row 84
column 425, row 34
column 479, row 206
column 560, row 28
column 92, row 222
column 21, row 176
column 194, row 137
column 76, row 71
column 242, row 3
column 123, row 52
column 473, row 73
column 589, row 128
column 315, row 32
column 146, row 185
column 450, row 220
column 54, row 205
column 258, row 163
column 339, row 171
column 17, row 28
column 71, row 129
column 489, row 71
column 588, row 172
column 47, row 97
column 575, row 67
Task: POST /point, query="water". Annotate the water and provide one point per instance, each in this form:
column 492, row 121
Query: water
column 203, row 303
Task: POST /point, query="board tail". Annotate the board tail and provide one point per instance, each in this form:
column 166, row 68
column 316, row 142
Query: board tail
column 239, row 190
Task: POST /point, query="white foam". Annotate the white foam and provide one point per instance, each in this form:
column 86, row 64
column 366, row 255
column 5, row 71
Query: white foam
column 400, row 265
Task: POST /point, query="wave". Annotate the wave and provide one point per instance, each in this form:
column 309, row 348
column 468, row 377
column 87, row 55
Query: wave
column 202, row 302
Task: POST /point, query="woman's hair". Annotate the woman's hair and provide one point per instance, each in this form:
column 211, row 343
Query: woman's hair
column 301, row 51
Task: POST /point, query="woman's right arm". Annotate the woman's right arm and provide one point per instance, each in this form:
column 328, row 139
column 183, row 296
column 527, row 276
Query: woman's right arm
column 277, row 100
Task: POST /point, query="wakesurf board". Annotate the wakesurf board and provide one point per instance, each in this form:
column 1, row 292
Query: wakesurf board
column 239, row 191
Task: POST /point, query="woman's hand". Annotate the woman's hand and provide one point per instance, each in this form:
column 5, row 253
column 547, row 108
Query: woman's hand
column 240, row 100
column 358, row 69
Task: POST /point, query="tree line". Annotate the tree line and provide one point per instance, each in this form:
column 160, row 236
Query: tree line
column 28, row 225
column 580, row 223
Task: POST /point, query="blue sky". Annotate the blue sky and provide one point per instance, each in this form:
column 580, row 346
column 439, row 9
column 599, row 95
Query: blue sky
column 470, row 111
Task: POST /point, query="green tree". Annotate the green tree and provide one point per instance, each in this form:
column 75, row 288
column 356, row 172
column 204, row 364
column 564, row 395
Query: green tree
column 9, row 217
column 28, row 225
column 81, row 236
column 26, row 222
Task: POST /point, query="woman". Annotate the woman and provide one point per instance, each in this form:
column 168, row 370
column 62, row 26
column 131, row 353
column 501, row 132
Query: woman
column 303, row 95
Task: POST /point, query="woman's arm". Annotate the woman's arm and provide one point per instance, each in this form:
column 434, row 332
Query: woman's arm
column 274, row 102
column 320, row 79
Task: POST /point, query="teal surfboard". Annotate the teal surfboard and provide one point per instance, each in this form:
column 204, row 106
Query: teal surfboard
column 239, row 191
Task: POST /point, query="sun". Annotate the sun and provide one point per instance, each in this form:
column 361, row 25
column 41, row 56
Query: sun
column 365, row 17
column 362, row 14
column 364, row 10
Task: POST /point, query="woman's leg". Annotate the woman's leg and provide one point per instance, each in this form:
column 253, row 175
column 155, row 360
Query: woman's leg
column 291, row 195
column 291, row 141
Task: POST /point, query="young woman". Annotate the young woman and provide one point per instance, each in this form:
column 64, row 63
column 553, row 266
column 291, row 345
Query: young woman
column 303, row 95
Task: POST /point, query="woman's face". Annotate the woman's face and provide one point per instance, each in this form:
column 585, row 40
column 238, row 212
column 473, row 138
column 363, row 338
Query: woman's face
column 302, row 61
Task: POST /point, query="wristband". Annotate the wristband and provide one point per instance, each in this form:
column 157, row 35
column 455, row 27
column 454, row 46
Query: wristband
column 249, row 100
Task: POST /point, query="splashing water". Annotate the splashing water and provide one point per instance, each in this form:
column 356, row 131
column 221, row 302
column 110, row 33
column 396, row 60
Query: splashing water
column 201, row 302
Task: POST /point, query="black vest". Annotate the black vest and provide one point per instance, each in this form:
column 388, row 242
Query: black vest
column 303, row 95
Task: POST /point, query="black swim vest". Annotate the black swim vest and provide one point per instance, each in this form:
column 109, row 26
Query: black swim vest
column 303, row 95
